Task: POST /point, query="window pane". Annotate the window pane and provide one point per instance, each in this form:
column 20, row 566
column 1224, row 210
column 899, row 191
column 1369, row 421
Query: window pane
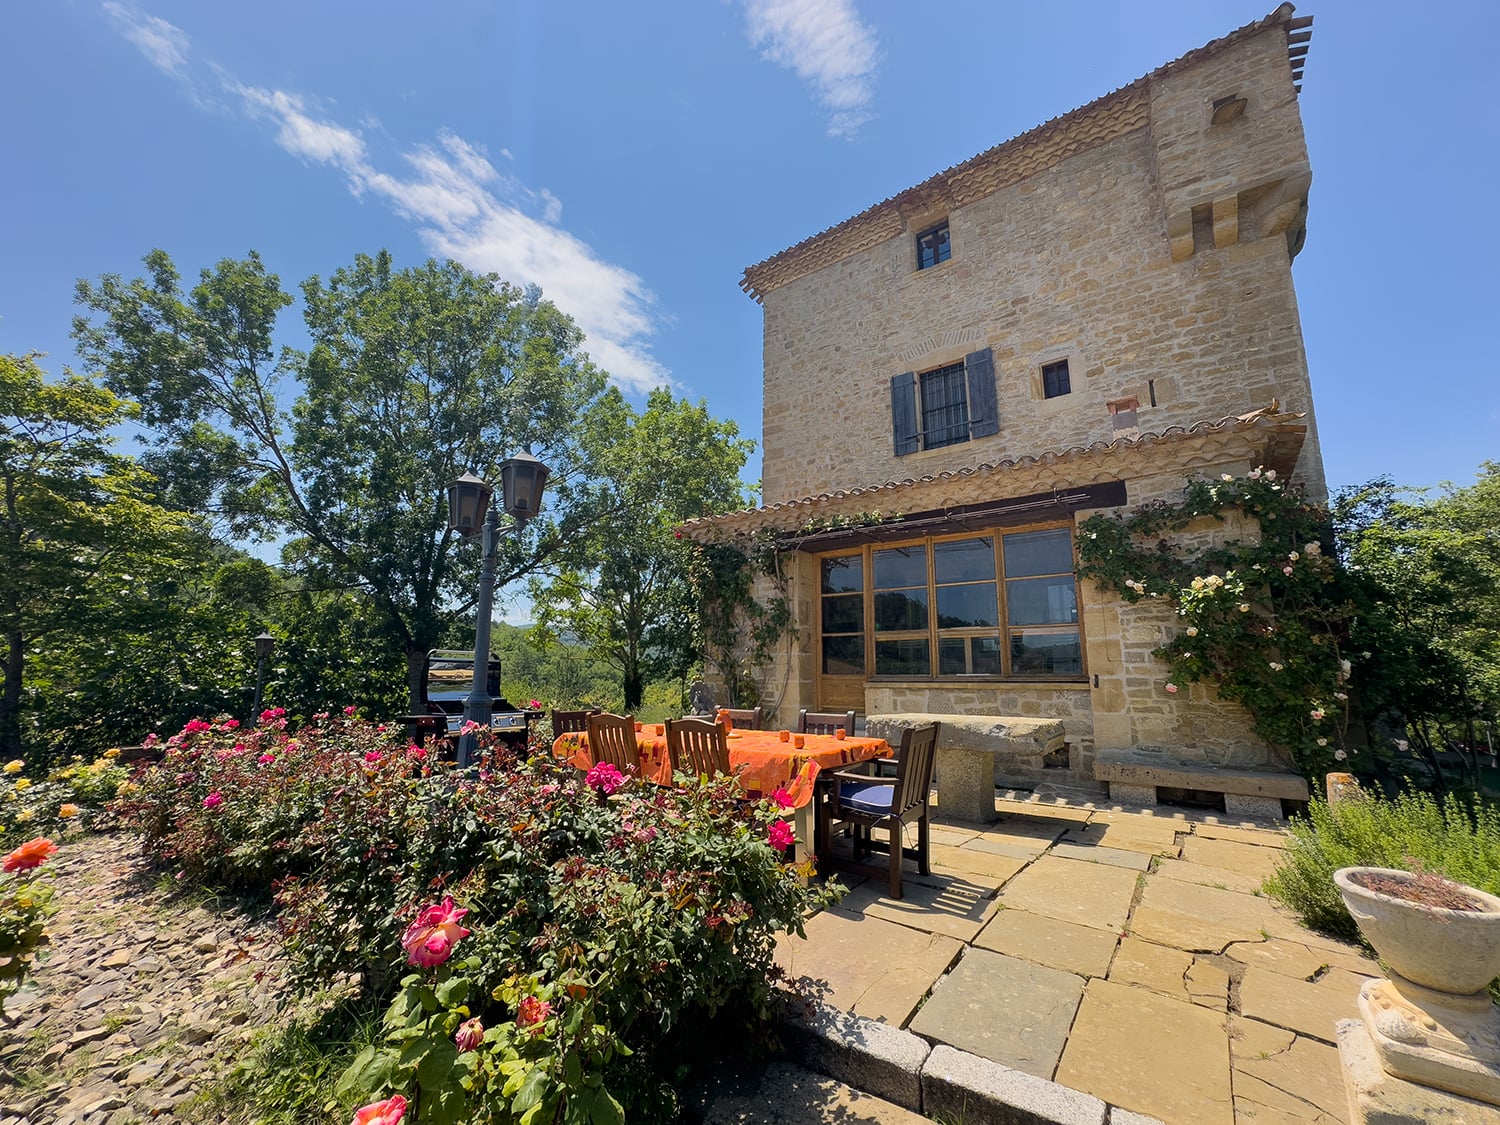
column 967, row 607
column 952, row 656
column 901, row 611
column 984, row 655
column 844, row 613
column 964, row 560
column 945, row 406
column 900, row 566
column 843, row 574
column 901, row 658
column 1042, row 601
column 1046, row 654
column 844, row 656
column 1039, row 552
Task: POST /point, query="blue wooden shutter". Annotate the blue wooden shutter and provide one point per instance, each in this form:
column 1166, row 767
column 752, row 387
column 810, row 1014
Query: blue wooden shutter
column 984, row 416
column 904, row 413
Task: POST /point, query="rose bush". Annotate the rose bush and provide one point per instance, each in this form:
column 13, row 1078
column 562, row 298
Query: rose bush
column 568, row 951
column 25, row 903
column 74, row 796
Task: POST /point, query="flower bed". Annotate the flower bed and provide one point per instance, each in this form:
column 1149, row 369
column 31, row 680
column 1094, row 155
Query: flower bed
column 549, row 949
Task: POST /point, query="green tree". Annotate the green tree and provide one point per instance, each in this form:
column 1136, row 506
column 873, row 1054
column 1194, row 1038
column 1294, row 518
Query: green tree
column 71, row 510
column 629, row 601
column 1432, row 568
column 413, row 377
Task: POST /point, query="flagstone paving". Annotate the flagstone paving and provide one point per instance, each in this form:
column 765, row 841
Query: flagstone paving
column 1125, row 953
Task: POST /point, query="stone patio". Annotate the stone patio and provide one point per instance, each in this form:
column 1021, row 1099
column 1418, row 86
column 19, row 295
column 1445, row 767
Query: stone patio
column 1123, row 953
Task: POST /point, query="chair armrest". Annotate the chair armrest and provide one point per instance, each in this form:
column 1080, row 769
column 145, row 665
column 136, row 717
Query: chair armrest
column 855, row 775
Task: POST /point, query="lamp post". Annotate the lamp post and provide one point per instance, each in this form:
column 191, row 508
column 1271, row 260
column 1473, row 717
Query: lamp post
column 265, row 644
column 522, row 479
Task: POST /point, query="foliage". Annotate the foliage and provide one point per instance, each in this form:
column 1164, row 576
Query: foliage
column 74, row 796
column 1270, row 619
column 740, row 632
column 629, row 600
column 630, row 921
column 414, row 376
column 1458, row 837
column 25, row 903
column 69, row 507
column 1433, row 568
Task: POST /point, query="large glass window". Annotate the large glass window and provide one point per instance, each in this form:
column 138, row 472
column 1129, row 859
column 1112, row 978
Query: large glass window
column 994, row 605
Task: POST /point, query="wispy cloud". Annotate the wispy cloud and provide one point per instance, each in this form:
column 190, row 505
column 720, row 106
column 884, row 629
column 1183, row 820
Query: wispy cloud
column 827, row 46
column 464, row 206
column 164, row 45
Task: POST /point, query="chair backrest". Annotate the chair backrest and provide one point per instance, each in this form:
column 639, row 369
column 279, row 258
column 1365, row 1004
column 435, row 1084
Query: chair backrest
column 612, row 740
column 567, row 722
column 698, row 746
column 744, row 719
column 824, row 722
column 914, row 775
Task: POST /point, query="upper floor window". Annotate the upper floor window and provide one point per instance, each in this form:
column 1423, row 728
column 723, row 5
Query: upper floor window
column 1055, row 380
column 933, row 246
column 944, row 406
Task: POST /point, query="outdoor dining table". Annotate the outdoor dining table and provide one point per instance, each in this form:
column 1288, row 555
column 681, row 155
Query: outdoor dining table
column 759, row 759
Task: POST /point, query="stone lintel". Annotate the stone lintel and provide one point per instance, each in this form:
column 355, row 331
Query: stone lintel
column 1180, row 235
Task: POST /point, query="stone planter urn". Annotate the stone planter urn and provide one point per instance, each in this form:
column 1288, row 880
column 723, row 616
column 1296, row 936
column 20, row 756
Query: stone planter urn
column 1433, row 1021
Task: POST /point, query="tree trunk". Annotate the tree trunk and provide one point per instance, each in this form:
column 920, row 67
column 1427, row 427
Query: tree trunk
column 10, row 700
column 635, row 689
column 416, row 680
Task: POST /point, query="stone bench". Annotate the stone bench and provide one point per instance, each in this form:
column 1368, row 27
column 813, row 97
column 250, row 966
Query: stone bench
column 1133, row 776
column 971, row 749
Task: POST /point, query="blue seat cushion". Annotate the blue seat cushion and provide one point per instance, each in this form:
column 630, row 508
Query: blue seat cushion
column 873, row 797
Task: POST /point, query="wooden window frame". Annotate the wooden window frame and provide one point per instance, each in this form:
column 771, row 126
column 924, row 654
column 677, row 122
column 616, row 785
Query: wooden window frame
column 933, row 634
column 947, row 378
column 1058, row 386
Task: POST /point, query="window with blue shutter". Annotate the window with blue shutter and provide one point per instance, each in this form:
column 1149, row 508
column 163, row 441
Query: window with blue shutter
column 945, row 406
column 984, row 416
column 904, row 414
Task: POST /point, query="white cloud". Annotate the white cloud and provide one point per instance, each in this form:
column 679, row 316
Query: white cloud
column 827, row 46
column 465, row 208
column 164, row 45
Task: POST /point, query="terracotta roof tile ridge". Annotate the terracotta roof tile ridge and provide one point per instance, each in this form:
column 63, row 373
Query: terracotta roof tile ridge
column 762, row 277
column 1266, row 417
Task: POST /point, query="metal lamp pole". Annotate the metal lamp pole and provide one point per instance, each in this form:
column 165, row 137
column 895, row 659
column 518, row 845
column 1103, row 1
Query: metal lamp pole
column 265, row 644
column 522, row 481
column 477, row 706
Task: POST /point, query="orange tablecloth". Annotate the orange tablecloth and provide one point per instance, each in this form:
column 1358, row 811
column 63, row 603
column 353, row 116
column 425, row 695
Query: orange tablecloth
column 759, row 758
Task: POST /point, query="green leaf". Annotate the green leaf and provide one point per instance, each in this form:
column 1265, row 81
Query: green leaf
column 453, row 992
column 433, row 1070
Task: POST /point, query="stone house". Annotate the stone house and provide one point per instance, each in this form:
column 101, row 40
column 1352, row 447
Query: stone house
column 1077, row 320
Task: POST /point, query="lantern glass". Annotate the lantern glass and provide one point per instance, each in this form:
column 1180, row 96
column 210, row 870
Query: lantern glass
column 265, row 644
column 468, row 501
column 522, row 480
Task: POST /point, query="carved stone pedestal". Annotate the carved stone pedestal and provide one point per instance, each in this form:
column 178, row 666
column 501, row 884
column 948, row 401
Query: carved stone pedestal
column 1377, row 1097
column 1435, row 1038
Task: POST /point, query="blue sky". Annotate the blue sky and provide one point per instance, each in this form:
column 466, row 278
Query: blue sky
column 633, row 159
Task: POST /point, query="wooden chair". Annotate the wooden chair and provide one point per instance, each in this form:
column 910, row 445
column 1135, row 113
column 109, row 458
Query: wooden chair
column 569, row 722
column 866, row 801
column 824, row 722
column 698, row 746
column 612, row 740
column 744, row 719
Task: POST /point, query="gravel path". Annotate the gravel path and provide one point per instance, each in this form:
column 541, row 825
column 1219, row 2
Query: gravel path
column 144, row 997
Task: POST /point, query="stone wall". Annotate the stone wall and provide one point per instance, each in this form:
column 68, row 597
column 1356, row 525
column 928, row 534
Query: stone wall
column 1076, row 262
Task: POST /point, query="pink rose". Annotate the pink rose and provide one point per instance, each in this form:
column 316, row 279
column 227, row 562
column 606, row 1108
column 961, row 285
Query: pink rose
column 372, row 757
column 469, row 1035
column 213, row 800
column 781, row 835
column 349, row 710
column 532, row 1012
column 266, row 759
column 430, row 939
column 782, row 798
column 1171, row 689
column 388, row 1112
column 605, row 778
column 231, row 724
column 195, row 726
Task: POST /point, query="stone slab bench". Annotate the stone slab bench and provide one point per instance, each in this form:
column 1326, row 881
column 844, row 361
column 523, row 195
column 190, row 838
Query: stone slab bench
column 1133, row 776
column 969, row 750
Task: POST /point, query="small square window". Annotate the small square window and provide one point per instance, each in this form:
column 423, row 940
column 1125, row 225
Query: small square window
column 933, row 246
column 1055, row 379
